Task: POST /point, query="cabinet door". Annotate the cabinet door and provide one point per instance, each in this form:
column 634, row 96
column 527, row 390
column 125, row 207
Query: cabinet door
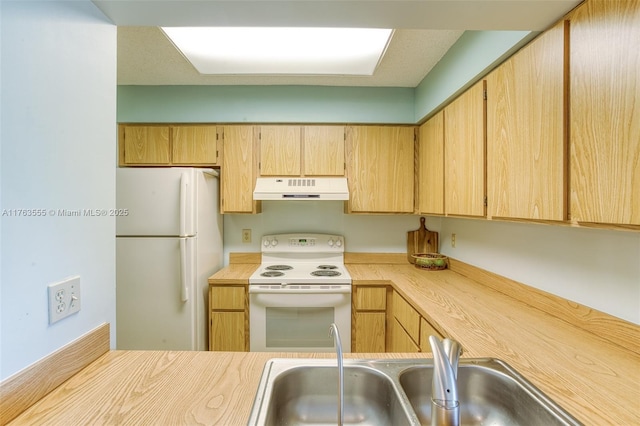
column 380, row 169
column 526, row 131
column 400, row 340
column 323, row 148
column 194, row 145
column 144, row 145
column 426, row 330
column 280, row 151
column 238, row 170
column 464, row 153
column 605, row 116
column 228, row 332
column 408, row 317
column 431, row 166
column 369, row 332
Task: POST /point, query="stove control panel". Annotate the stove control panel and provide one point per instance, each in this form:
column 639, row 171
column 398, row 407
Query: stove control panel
column 311, row 243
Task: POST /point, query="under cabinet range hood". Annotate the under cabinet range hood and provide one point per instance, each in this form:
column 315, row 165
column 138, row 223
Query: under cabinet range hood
column 301, row 188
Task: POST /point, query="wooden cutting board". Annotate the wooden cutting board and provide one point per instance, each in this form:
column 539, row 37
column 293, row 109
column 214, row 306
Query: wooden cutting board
column 421, row 241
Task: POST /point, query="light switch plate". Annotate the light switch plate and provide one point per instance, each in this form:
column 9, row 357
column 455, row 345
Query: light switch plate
column 64, row 298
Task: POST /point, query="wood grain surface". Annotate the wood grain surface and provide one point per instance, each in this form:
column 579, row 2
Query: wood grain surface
column 526, row 131
column 464, row 154
column 595, row 380
column 430, row 184
column 421, row 241
column 162, row 388
column 605, row 112
column 24, row 388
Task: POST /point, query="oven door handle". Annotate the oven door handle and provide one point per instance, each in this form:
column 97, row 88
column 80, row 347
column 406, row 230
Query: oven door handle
column 286, row 289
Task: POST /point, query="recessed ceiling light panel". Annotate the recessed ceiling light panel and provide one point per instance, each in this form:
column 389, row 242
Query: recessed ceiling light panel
column 298, row 51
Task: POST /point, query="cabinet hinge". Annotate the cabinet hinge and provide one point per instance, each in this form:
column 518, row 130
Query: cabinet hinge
column 486, row 203
column 484, row 94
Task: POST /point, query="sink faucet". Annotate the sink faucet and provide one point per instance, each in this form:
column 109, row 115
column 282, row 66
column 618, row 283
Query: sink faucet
column 333, row 332
column 445, row 407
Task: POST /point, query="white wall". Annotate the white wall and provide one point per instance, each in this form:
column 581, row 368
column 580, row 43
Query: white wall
column 595, row 267
column 58, row 150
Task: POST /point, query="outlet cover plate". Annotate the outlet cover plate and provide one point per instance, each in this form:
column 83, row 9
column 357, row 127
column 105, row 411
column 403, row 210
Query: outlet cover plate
column 64, row 298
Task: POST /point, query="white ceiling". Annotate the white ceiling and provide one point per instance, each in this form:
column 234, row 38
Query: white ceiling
column 425, row 30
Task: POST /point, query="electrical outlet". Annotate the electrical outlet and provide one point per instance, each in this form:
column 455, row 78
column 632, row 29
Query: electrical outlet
column 453, row 240
column 64, row 298
column 246, row 235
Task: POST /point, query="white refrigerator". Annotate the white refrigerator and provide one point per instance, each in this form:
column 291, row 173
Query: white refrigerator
column 168, row 242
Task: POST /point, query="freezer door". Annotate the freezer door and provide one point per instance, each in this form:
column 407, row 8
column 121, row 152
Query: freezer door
column 156, row 202
column 156, row 300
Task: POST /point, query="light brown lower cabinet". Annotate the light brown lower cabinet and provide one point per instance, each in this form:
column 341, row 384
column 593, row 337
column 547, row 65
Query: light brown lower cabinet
column 369, row 319
column 228, row 318
column 409, row 331
column 401, row 341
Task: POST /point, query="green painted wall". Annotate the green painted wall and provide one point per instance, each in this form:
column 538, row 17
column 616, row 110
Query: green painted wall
column 237, row 104
column 472, row 56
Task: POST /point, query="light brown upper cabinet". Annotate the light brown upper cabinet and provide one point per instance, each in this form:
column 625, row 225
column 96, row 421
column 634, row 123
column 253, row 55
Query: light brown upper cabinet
column 301, row 150
column 323, row 150
column 239, row 169
column 194, row 145
column 168, row 145
column 526, row 135
column 430, row 192
column 464, row 153
column 144, row 145
column 605, row 112
column 280, row 150
column 380, row 168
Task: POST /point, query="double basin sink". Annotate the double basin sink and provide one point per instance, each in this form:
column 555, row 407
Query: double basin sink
column 397, row 392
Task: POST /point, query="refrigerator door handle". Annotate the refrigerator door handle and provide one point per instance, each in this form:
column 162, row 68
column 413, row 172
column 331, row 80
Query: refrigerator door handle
column 184, row 187
column 184, row 276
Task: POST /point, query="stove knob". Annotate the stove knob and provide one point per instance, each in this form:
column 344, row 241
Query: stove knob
column 274, row 242
column 330, row 242
column 338, row 243
column 265, row 243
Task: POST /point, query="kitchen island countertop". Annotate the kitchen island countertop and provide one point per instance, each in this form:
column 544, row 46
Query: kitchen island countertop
column 594, row 379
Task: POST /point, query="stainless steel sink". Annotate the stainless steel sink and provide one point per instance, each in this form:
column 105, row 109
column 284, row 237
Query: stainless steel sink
column 305, row 393
column 490, row 393
column 396, row 392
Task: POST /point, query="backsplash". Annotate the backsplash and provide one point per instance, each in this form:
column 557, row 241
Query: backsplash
column 595, row 267
column 363, row 233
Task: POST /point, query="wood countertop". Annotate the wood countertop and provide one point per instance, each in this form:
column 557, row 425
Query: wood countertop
column 595, row 379
column 162, row 388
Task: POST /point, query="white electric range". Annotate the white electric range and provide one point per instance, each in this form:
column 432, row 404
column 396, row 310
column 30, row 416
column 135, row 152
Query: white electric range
column 300, row 288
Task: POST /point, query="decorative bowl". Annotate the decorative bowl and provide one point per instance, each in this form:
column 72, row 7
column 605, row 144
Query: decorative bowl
column 431, row 261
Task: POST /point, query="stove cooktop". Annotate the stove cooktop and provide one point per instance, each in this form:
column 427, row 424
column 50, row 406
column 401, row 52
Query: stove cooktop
column 303, row 258
column 301, row 272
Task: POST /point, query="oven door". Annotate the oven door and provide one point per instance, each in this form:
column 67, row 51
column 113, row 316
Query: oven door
column 296, row 318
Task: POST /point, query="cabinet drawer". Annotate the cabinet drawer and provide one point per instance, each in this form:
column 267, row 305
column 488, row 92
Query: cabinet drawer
column 228, row 298
column 408, row 317
column 370, row 298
